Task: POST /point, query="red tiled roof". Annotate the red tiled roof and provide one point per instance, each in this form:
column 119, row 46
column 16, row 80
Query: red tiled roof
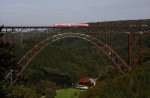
column 84, row 80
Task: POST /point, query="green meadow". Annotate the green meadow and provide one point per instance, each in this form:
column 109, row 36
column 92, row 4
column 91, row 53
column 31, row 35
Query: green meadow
column 67, row 93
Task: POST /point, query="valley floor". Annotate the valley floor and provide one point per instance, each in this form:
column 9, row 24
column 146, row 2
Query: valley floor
column 68, row 93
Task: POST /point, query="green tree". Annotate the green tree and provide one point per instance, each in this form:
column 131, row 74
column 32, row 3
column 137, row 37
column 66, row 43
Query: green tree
column 46, row 88
column 7, row 62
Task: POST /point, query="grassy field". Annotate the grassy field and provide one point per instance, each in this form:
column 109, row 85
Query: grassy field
column 68, row 93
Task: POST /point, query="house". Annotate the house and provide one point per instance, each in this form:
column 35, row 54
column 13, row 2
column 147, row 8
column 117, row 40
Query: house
column 85, row 83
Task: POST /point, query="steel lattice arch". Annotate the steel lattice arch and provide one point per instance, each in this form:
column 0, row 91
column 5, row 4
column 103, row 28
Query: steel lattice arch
column 116, row 59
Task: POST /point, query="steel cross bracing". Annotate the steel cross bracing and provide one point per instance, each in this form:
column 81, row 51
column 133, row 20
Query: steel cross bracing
column 90, row 29
column 135, row 49
column 116, row 59
column 79, row 29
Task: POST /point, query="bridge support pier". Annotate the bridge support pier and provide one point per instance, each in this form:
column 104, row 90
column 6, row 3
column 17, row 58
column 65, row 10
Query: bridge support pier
column 134, row 49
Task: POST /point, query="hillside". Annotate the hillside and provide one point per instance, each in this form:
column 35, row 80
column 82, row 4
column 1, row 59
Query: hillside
column 72, row 58
column 122, row 23
column 68, row 56
column 134, row 84
column 67, row 60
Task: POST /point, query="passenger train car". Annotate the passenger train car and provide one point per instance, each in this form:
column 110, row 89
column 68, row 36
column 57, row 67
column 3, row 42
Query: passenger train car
column 71, row 25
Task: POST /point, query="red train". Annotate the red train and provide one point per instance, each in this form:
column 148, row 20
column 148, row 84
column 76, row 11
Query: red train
column 71, row 25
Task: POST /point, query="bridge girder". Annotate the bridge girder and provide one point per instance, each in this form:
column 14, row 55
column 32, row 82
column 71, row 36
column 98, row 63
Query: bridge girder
column 86, row 29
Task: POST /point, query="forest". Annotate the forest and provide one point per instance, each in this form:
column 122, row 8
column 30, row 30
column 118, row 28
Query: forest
column 62, row 63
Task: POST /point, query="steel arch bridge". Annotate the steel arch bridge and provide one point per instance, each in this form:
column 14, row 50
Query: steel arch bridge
column 116, row 59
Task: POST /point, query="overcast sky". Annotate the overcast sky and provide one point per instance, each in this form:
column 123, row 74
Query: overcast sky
column 49, row 12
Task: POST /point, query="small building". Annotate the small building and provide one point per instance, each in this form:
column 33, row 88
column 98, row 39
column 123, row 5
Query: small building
column 85, row 83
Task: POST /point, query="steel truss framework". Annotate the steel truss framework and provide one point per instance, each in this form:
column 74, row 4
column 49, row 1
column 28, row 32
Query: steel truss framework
column 135, row 49
column 63, row 32
column 22, row 64
column 89, row 29
column 32, row 28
